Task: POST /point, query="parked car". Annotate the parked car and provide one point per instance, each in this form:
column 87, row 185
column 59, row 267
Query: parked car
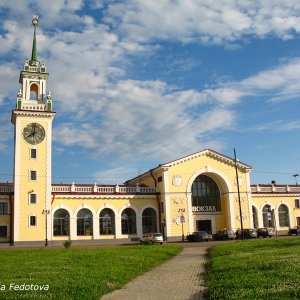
column 199, row 236
column 265, row 232
column 250, row 233
column 294, row 230
column 223, row 235
column 152, row 238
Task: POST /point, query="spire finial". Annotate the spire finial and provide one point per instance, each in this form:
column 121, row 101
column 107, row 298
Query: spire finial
column 35, row 23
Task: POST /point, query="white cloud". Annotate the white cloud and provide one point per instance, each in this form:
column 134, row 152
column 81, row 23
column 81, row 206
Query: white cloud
column 207, row 21
column 147, row 118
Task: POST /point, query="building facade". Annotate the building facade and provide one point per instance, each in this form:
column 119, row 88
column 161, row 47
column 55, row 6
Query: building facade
column 201, row 191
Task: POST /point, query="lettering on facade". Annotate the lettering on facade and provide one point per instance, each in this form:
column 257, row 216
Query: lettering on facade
column 204, row 209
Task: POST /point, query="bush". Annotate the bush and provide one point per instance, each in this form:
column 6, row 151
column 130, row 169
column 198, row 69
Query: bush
column 67, row 244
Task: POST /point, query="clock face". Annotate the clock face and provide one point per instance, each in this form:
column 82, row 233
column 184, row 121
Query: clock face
column 34, row 133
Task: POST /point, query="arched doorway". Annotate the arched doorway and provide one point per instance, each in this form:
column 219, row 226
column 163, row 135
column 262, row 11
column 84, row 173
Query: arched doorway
column 61, row 223
column 254, row 217
column 84, row 222
column 268, row 216
column 107, row 221
column 128, row 221
column 149, row 220
column 206, row 202
column 283, row 216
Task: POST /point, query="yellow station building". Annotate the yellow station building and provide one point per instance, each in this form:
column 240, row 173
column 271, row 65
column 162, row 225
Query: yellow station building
column 197, row 192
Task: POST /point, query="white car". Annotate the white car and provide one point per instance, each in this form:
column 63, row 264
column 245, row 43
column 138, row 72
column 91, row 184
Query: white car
column 152, row 238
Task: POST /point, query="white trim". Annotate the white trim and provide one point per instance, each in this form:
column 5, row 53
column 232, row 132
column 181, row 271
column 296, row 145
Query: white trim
column 223, row 185
column 249, row 199
column 137, row 218
column 30, row 173
column 17, row 179
column 259, row 216
column 29, row 198
column 167, row 213
column 32, row 226
column 156, row 212
column 289, row 213
column 84, row 206
column 107, row 205
column 207, row 152
column 36, row 153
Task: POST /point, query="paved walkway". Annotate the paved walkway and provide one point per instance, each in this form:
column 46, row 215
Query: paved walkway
column 177, row 279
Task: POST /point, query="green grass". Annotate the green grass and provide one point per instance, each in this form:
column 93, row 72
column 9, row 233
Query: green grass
column 255, row 269
column 73, row 273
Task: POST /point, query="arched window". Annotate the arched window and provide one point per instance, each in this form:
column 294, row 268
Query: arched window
column 268, row 216
column 61, row 223
column 149, row 220
column 34, row 91
column 84, row 222
column 254, row 217
column 128, row 221
column 107, row 221
column 206, row 194
column 283, row 214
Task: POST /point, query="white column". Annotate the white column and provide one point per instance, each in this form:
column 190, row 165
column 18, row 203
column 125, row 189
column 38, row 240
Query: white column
column 73, row 228
column 139, row 226
column 118, row 228
column 96, row 228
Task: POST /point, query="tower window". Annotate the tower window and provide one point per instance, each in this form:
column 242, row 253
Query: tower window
column 32, row 221
column 297, row 203
column 33, row 175
column 32, row 198
column 33, row 153
column 34, row 89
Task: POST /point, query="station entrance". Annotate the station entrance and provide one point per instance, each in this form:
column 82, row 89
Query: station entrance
column 204, row 225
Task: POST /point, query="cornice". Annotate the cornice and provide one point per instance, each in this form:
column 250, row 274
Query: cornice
column 99, row 197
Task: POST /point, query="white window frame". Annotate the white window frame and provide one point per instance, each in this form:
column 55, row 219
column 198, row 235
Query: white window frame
column 30, row 175
column 29, row 224
column 29, row 198
column 36, row 152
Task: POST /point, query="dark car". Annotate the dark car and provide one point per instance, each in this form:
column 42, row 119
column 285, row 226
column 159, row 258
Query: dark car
column 250, row 233
column 199, row 236
column 223, row 235
column 294, row 230
column 265, row 232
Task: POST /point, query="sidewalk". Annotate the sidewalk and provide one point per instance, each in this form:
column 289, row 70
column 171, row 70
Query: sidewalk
column 178, row 279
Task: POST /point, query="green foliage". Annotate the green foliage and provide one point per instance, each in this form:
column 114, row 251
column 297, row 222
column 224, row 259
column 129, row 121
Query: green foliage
column 79, row 273
column 67, row 244
column 255, row 269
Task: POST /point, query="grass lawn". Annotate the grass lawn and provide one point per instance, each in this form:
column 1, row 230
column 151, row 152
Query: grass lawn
column 255, row 269
column 85, row 273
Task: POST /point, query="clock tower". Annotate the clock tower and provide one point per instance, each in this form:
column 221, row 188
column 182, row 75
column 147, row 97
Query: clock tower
column 32, row 118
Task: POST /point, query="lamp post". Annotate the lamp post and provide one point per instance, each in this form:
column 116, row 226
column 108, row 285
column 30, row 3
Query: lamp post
column 296, row 175
column 239, row 197
column 46, row 212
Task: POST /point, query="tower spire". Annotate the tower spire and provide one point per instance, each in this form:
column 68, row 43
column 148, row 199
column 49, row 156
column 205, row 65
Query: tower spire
column 35, row 23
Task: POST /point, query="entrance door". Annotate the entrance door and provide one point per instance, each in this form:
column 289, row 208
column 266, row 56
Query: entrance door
column 204, row 225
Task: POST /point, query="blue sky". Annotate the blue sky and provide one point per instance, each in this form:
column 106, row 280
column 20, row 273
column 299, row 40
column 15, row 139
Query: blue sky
column 139, row 83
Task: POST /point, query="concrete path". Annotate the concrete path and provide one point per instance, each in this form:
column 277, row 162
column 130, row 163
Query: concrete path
column 178, row 279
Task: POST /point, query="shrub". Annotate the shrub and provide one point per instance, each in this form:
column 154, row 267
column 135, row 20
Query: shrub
column 67, row 244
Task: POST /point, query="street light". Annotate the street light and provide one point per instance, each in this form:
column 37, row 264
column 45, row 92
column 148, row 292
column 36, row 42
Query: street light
column 46, row 212
column 239, row 197
column 296, row 175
